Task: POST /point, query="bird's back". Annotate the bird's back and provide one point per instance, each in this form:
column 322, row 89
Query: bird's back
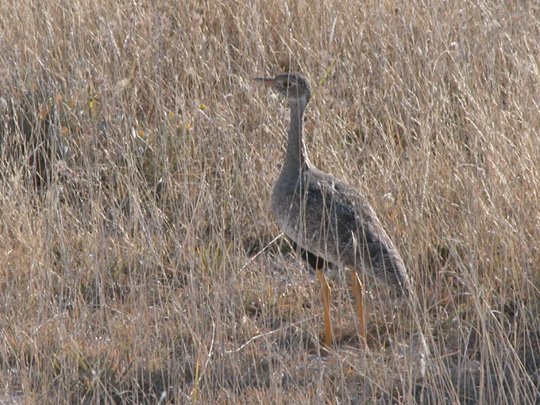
column 333, row 221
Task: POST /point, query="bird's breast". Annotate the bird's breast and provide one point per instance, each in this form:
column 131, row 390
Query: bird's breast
column 304, row 221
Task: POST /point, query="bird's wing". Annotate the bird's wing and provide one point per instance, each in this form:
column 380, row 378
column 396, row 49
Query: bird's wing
column 347, row 216
column 347, row 209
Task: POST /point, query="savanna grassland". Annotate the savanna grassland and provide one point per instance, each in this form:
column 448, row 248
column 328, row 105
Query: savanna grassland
column 139, row 259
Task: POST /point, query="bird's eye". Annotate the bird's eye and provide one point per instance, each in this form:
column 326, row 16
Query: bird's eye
column 286, row 83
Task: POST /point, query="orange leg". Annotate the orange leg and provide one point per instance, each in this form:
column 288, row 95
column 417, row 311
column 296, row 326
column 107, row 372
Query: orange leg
column 326, row 290
column 357, row 289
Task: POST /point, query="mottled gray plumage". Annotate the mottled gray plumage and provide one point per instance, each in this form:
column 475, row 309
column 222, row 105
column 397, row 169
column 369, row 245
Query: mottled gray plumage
column 323, row 215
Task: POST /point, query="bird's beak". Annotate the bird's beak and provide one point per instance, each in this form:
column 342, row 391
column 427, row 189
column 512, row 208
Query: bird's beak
column 269, row 81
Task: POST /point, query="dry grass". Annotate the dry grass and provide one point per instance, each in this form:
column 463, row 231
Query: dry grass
column 136, row 163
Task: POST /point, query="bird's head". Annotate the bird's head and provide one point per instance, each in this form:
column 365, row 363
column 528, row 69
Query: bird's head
column 291, row 85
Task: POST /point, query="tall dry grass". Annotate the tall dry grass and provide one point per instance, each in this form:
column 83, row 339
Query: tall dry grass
column 136, row 161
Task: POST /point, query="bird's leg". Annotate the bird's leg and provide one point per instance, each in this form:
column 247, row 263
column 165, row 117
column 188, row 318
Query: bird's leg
column 326, row 290
column 357, row 289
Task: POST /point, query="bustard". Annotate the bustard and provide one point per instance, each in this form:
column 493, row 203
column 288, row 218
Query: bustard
column 327, row 218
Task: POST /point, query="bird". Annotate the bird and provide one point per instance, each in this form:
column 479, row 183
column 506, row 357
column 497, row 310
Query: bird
column 327, row 219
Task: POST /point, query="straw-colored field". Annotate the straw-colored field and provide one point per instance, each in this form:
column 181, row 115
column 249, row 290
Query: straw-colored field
column 137, row 157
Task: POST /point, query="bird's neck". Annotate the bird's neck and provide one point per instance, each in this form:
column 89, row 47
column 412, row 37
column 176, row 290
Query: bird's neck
column 296, row 157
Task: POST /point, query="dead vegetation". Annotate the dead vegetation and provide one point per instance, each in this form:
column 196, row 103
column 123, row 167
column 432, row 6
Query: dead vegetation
column 136, row 164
